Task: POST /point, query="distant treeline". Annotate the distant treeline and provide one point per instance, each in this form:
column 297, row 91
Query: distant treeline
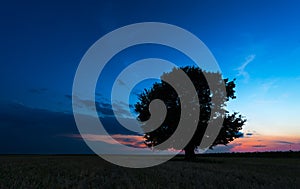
column 279, row 154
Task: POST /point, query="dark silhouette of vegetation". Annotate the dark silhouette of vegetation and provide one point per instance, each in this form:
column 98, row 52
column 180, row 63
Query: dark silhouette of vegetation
column 161, row 90
column 239, row 170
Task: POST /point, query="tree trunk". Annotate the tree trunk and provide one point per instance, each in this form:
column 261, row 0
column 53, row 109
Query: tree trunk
column 189, row 153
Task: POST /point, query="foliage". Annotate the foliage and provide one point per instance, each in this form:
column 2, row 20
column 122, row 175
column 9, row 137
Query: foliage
column 165, row 92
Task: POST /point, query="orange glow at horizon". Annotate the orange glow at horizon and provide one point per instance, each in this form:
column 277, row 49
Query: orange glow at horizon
column 262, row 143
column 254, row 143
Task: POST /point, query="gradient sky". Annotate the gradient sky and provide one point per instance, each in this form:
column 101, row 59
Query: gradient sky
column 42, row 43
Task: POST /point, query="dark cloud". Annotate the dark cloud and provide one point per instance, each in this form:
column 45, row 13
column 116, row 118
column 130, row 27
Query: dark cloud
column 250, row 133
column 284, row 142
column 120, row 108
column 241, row 134
column 30, row 130
column 104, row 107
column 259, row 146
column 68, row 96
column 223, row 148
column 104, row 111
column 121, row 82
column 99, row 95
column 137, row 92
column 38, row 90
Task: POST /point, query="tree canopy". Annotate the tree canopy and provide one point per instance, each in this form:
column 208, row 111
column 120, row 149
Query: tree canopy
column 230, row 125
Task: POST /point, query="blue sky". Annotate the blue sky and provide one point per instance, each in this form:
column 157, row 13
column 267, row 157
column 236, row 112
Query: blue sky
column 42, row 43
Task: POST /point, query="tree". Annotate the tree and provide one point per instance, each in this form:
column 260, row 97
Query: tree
column 230, row 127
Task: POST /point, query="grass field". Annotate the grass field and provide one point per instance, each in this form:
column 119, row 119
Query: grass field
column 210, row 171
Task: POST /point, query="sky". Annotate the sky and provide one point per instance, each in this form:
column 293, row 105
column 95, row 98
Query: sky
column 42, row 44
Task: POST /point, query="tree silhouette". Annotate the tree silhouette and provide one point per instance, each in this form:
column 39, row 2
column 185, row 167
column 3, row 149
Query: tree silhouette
column 162, row 90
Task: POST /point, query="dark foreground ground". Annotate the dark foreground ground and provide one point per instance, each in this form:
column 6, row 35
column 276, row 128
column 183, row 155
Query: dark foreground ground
column 212, row 171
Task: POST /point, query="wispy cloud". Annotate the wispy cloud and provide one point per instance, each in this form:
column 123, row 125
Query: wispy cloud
column 242, row 69
column 270, row 84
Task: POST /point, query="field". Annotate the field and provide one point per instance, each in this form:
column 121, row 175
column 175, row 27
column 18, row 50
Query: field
column 210, row 171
